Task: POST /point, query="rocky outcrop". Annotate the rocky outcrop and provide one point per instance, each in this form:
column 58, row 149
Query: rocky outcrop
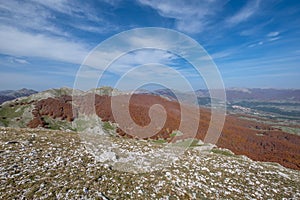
column 52, row 107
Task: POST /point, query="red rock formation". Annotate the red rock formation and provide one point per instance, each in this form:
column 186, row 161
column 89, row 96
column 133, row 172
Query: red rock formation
column 53, row 107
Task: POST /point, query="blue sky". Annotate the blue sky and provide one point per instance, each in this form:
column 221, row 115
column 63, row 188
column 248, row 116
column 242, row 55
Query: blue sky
column 253, row 43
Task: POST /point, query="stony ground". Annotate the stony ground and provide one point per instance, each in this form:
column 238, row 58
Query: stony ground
column 43, row 164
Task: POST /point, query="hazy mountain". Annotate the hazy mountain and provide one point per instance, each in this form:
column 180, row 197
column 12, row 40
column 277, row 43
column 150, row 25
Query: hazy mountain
column 239, row 94
column 7, row 95
column 260, row 94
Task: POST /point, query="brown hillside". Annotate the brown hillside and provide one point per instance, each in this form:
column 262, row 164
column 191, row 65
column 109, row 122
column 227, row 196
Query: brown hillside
column 256, row 140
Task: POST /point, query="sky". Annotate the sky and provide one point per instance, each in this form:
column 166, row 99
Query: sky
column 254, row 44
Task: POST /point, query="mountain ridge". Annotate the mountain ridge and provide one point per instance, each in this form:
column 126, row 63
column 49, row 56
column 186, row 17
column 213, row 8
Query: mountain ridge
column 7, row 95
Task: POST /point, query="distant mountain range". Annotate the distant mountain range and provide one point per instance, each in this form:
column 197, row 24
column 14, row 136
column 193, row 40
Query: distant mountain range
column 7, row 95
column 232, row 94
column 240, row 94
column 260, row 94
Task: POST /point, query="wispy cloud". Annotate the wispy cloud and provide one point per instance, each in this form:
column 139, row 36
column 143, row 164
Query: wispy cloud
column 262, row 64
column 192, row 17
column 120, row 65
column 256, row 44
column 56, row 35
column 18, row 60
column 245, row 13
column 19, row 43
column 41, row 16
column 100, row 29
column 112, row 2
column 29, row 16
column 274, row 38
column 76, row 9
column 273, row 34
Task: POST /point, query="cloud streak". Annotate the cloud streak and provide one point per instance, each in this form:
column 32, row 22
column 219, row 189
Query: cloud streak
column 192, row 17
column 245, row 13
column 44, row 16
column 19, row 43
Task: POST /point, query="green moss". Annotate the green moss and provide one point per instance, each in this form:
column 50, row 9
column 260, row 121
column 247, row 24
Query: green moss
column 291, row 130
column 191, row 142
column 107, row 126
column 160, row 141
column 103, row 90
column 176, row 133
column 172, row 134
column 58, row 124
column 7, row 113
column 80, row 124
column 62, row 91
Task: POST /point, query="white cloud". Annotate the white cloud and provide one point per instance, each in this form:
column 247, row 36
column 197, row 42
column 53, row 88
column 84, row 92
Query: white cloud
column 141, row 57
column 119, row 65
column 143, row 46
column 262, row 64
column 273, row 38
column 153, row 73
column 6, row 60
column 273, row 34
column 18, row 60
column 59, row 5
column 41, row 16
column 71, row 8
column 256, row 44
column 192, row 17
column 112, row 2
column 103, row 28
column 134, row 40
column 222, row 54
column 245, row 13
column 18, row 43
column 28, row 15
